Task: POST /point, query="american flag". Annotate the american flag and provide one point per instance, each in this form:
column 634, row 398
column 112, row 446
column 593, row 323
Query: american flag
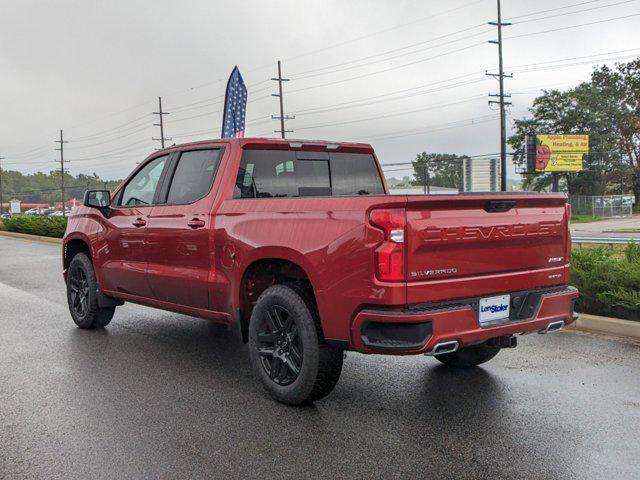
column 235, row 106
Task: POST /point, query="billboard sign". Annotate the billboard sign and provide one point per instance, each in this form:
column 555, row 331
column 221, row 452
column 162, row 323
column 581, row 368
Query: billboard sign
column 14, row 206
column 560, row 153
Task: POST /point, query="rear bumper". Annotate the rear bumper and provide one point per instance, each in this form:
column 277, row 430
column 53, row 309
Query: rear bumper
column 418, row 329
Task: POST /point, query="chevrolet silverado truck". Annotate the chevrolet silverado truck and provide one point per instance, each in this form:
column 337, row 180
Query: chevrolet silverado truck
column 300, row 246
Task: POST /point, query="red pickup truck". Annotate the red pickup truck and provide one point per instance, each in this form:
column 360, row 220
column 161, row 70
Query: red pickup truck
column 300, row 244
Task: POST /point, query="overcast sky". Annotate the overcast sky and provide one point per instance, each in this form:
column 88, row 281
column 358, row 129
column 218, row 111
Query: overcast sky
column 413, row 71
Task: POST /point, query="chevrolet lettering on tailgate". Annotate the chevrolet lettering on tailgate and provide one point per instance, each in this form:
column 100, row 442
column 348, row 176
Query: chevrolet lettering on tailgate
column 434, row 234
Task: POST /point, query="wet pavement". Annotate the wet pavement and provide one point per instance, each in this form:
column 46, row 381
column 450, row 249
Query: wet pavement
column 162, row 395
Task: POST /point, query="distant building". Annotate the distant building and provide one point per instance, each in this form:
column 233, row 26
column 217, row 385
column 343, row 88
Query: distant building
column 481, row 175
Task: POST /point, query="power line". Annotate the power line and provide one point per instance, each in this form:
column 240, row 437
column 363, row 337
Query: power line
column 207, row 102
column 552, row 9
column 362, row 37
column 310, row 73
column 206, row 114
column 576, row 11
column 388, row 69
column 432, row 128
column 568, row 27
column 132, row 127
column 409, row 165
column 574, row 64
column 452, row 52
column 390, row 115
column 138, row 129
column 377, row 98
column 118, row 150
column 574, row 58
column 114, row 130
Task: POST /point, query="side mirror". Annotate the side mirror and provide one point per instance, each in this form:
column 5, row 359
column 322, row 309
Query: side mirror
column 100, row 199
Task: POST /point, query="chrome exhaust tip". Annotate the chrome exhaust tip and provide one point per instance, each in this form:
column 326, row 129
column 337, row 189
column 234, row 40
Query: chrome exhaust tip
column 444, row 347
column 553, row 327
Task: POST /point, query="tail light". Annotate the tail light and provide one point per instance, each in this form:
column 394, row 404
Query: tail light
column 389, row 256
column 567, row 251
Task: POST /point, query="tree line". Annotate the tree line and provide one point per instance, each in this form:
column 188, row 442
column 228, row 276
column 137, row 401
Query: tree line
column 46, row 187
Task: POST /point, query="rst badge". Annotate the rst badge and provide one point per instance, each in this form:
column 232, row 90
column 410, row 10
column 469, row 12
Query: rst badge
column 493, row 308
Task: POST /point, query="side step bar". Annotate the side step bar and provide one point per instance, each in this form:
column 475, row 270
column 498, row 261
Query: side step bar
column 553, row 327
column 444, row 347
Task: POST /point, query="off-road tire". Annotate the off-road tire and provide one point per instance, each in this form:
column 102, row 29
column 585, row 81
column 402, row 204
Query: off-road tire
column 321, row 364
column 469, row 356
column 92, row 315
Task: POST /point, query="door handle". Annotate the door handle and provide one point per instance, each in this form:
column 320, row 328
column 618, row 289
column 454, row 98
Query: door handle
column 139, row 222
column 196, row 223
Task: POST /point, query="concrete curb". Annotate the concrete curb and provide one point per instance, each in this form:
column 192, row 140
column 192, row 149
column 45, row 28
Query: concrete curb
column 608, row 326
column 33, row 238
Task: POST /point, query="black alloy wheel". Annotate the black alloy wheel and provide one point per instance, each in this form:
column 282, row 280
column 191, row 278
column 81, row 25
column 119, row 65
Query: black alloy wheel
column 79, row 290
column 286, row 346
column 82, row 295
column 279, row 345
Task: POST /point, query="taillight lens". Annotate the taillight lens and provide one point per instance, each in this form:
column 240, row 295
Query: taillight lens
column 389, row 256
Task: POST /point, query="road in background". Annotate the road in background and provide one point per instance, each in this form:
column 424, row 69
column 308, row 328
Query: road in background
column 158, row 394
column 610, row 227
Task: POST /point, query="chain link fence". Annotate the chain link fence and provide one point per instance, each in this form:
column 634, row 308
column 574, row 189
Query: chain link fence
column 602, row 206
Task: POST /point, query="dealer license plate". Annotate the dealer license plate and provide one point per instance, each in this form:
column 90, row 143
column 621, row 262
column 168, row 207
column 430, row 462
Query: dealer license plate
column 493, row 308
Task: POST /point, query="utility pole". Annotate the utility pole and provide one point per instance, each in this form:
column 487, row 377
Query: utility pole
column 282, row 116
column 1, row 202
column 62, row 141
column 501, row 76
column 161, row 114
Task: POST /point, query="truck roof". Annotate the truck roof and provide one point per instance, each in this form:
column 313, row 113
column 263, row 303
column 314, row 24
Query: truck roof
column 279, row 142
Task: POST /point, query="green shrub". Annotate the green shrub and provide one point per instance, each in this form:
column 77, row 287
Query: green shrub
column 609, row 284
column 43, row 226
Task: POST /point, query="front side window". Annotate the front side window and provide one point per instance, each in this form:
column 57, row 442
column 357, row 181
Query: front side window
column 288, row 173
column 193, row 176
column 142, row 187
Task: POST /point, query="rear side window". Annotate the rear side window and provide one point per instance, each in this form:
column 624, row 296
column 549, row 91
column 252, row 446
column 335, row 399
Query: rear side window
column 286, row 173
column 355, row 174
column 142, row 187
column 193, row 176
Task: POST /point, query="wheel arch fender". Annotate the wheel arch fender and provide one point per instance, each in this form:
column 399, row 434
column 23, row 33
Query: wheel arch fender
column 272, row 261
column 79, row 242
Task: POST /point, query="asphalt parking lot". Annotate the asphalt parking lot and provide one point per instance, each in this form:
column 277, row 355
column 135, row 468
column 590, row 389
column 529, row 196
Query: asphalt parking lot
column 161, row 395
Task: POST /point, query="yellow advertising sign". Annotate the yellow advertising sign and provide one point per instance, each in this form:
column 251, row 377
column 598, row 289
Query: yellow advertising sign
column 561, row 153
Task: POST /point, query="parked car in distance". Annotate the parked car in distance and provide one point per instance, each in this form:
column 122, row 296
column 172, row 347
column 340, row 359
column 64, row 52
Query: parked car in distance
column 34, row 211
column 58, row 213
column 300, row 245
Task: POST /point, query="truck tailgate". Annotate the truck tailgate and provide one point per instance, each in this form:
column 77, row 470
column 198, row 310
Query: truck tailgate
column 482, row 244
